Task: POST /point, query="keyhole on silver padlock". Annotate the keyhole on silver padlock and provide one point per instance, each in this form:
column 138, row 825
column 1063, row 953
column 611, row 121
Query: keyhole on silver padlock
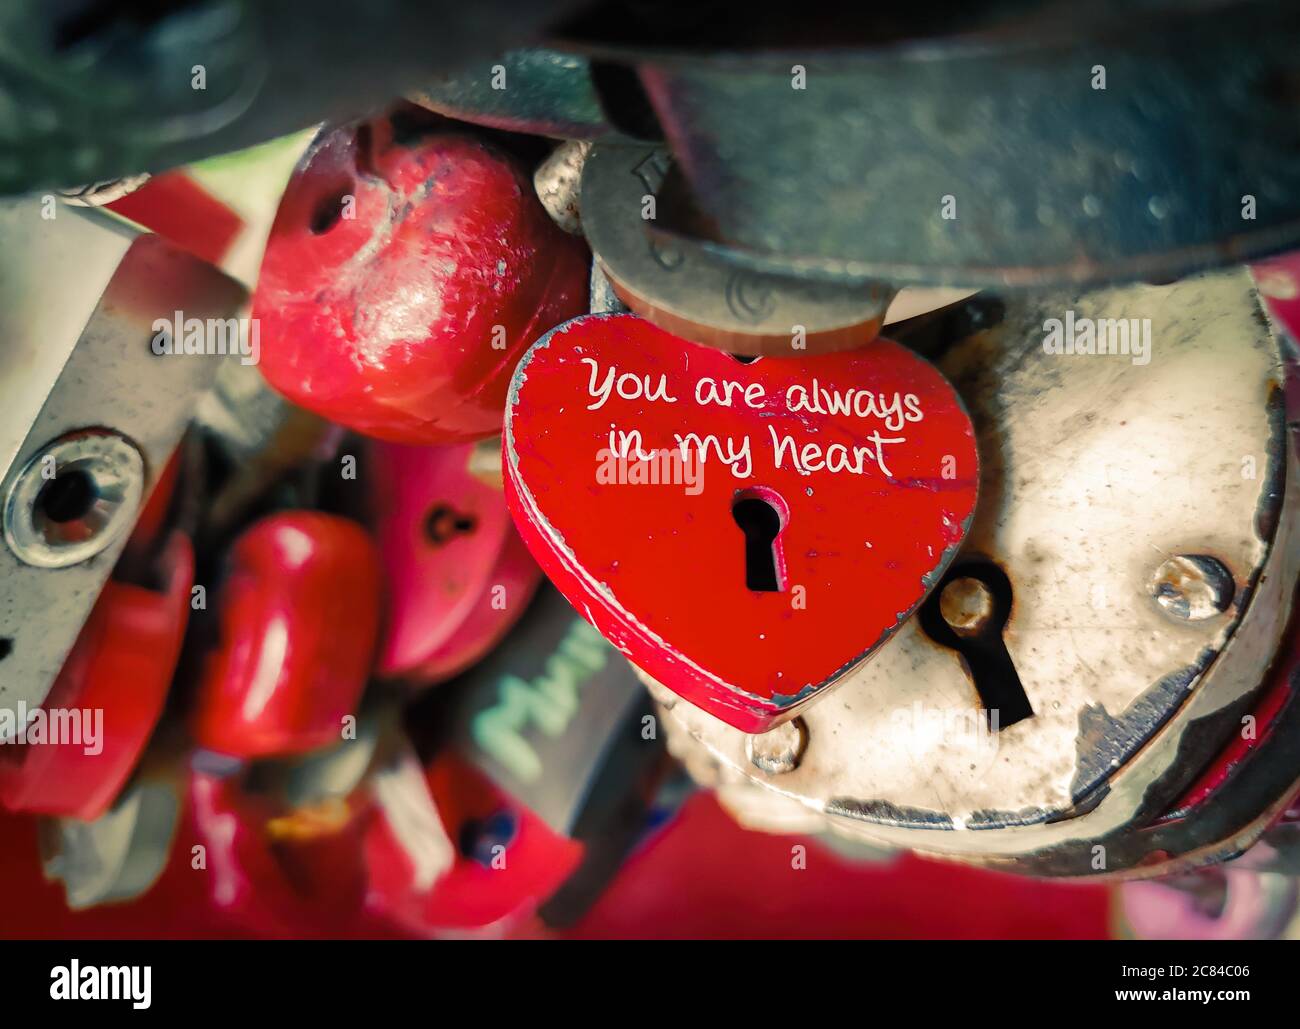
column 968, row 613
column 761, row 521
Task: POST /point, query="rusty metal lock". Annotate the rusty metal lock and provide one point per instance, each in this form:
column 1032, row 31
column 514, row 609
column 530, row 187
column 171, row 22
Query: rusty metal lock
column 683, row 287
column 1127, row 580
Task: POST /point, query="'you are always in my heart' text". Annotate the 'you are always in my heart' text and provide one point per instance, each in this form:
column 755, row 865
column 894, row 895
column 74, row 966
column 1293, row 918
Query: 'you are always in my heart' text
column 893, row 411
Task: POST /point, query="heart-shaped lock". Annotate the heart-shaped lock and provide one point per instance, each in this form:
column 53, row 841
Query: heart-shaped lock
column 745, row 533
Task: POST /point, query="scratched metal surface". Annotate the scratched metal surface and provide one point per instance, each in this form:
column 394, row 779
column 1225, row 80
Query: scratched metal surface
column 1095, row 470
column 1055, row 179
column 75, row 350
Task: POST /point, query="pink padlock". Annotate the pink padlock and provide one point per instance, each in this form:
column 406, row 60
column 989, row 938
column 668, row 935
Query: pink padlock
column 458, row 576
column 1222, row 903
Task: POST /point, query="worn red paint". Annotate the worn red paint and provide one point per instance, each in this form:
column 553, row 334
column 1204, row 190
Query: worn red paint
column 299, row 620
column 661, row 570
column 405, row 276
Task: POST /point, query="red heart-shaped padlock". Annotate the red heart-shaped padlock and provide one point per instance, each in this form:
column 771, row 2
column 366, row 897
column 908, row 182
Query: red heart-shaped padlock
column 832, row 493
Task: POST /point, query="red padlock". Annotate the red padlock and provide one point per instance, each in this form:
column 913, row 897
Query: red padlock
column 746, row 533
column 458, row 576
column 409, row 267
column 111, row 689
column 299, row 621
column 501, row 861
column 271, row 879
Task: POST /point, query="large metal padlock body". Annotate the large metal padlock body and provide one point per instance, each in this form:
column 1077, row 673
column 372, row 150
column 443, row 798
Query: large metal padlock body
column 1103, row 634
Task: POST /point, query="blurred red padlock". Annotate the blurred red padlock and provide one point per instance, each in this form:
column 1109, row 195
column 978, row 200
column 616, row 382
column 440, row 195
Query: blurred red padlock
column 299, row 620
column 272, row 871
column 112, row 688
column 409, row 267
column 458, row 575
column 502, row 861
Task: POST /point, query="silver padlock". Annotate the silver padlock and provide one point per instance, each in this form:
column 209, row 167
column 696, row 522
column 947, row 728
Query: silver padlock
column 1131, row 564
column 89, row 412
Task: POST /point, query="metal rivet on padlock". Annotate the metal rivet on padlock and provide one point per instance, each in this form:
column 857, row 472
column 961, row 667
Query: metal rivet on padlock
column 74, row 498
column 780, row 749
column 409, row 266
column 711, row 517
column 458, row 576
column 693, row 292
column 1192, row 586
column 967, row 605
column 299, row 615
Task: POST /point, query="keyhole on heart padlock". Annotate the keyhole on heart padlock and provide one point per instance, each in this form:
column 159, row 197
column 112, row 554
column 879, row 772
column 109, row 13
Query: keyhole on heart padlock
column 968, row 613
column 759, row 513
column 444, row 523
